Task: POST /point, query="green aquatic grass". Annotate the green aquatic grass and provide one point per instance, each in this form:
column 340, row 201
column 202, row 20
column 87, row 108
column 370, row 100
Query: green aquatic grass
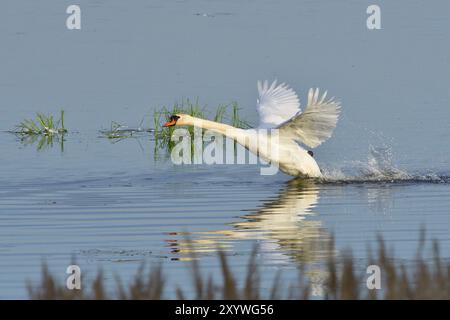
column 225, row 113
column 236, row 120
column 44, row 131
column 220, row 113
column 42, row 125
column 163, row 135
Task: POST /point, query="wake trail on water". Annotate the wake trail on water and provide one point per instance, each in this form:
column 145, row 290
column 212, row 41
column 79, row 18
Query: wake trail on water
column 379, row 168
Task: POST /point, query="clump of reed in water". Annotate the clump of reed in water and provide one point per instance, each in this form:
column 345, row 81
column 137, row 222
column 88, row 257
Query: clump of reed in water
column 228, row 113
column 44, row 130
column 346, row 279
column 42, row 125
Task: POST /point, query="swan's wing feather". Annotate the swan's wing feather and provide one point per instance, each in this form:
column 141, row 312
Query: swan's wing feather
column 316, row 123
column 276, row 104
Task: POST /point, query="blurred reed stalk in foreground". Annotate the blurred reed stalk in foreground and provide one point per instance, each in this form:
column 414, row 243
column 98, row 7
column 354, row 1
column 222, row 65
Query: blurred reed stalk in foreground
column 423, row 279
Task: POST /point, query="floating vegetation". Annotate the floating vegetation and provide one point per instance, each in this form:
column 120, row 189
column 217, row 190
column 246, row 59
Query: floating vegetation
column 345, row 279
column 44, row 130
column 192, row 108
column 42, row 125
column 118, row 132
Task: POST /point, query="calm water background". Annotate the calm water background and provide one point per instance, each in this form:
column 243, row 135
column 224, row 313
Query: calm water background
column 114, row 205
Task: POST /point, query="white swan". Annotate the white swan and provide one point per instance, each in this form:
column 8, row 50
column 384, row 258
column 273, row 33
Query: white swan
column 279, row 108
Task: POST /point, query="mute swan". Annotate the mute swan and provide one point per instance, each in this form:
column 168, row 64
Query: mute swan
column 279, row 108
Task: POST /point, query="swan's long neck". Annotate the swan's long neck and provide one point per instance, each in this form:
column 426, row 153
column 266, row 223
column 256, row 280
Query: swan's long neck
column 224, row 129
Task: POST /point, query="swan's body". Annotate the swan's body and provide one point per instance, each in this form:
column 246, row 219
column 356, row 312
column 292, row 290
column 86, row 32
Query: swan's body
column 279, row 108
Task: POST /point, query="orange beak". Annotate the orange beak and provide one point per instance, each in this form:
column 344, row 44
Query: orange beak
column 170, row 123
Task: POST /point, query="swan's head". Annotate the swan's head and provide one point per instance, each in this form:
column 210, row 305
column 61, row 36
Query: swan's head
column 179, row 119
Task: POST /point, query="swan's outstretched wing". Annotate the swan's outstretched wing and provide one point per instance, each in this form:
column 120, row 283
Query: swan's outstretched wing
column 316, row 123
column 276, row 104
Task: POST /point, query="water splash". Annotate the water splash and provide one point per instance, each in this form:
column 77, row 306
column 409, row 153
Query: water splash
column 379, row 167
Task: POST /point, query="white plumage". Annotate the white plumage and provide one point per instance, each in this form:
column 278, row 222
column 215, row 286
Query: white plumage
column 278, row 107
column 276, row 104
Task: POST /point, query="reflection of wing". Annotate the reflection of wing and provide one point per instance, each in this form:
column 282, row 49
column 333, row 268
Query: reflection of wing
column 282, row 215
column 281, row 224
column 316, row 123
column 276, row 104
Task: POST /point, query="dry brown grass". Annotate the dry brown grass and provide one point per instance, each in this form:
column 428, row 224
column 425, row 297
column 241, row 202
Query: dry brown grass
column 423, row 279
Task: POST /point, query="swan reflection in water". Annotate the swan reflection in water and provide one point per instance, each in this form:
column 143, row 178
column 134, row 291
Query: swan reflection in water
column 285, row 228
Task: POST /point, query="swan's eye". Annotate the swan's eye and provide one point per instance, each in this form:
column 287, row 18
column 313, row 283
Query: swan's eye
column 174, row 118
